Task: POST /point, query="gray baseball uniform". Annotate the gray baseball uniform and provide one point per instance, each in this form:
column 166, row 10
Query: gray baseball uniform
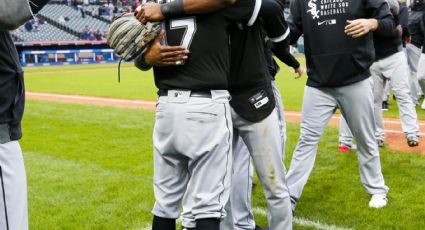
column 355, row 102
column 193, row 128
column 413, row 53
column 393, row 69
column 241, row 215
column 338, row 77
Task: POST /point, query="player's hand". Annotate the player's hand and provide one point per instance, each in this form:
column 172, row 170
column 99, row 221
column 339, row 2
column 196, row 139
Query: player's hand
column 399, row 31
column 408, row 39
column 159, row 55
column 149, row 12
column 359, row 27
column 299, row 71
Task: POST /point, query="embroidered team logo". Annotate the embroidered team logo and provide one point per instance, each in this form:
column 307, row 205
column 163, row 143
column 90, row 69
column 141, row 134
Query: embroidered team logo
column 313, row 9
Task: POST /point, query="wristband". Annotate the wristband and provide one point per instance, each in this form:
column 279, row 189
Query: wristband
column 173, row 9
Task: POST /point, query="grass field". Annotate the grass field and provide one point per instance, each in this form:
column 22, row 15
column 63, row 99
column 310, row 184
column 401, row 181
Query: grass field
column 90, row 167
column 101, row 80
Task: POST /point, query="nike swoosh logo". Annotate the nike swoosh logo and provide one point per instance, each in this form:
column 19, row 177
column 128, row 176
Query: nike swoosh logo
column 320, row 23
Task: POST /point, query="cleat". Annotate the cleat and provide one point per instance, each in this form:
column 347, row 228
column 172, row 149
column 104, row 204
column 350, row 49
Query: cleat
column 413, row 141
column 385, row 106
column 380, row 143
column 378, row 201
column 344, row 148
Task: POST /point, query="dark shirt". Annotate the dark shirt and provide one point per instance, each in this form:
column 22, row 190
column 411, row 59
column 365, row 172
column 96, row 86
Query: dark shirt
column 333, row 58
column 207, row 39
column 11, row 86
column 250, row 78
column 416, row 28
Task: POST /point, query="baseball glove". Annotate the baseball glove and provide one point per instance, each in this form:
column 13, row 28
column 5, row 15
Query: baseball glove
column 394, row 7
column 128, row 37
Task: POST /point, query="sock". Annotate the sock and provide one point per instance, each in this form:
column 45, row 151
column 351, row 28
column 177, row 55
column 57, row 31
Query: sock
column 208, row 224
column 160, row 223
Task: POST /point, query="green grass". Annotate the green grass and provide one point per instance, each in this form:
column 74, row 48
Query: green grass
column 101, row 80
column 90, row 167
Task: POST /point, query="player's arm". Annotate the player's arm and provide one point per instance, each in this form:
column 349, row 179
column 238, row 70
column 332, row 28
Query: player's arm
column 178, row 8
column 277, row 31
column 381, row 21
column 14, row 13
column 159, row 55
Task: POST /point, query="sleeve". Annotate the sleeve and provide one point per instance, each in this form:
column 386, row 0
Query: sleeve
column 277, row 31
column 281, row 51
column 245, row 11
column 380, row 10
column 141, row 64
column 295, row 22
column 14, row 13
column 273, row 20
column 404, row 20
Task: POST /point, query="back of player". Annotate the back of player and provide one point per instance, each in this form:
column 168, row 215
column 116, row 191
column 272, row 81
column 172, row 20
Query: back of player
column 193, row 128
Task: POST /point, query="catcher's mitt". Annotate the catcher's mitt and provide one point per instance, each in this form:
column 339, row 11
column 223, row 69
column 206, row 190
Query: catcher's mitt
column 129, row 37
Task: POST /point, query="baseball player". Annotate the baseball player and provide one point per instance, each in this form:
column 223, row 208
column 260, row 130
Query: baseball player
column 248, row 48
column 193, row 127
column 404, row 22
column 391, row 66
column 250, row 75
column 413, row 48
column 421, row 64
column 13, row 204
column 339, row 52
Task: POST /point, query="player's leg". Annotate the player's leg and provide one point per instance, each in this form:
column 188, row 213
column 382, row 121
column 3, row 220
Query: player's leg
column 345, row 136
column 385, row 97
column 13, row 204
column 170, row 167
column 421, row 75
column 413, row 54
column 356, row 104
column 281, row 115
column 379, row 83
column 264, row 143
column 396, row 67
column 238, row 209
column 318, row 108
column 207, row 140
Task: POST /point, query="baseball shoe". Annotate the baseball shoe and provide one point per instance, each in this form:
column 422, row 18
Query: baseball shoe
column 381, row 143
column 344, row 148
column 385, row 106
column 261, row 228
column 413, row 141
column 378, row 201
column 423, row 105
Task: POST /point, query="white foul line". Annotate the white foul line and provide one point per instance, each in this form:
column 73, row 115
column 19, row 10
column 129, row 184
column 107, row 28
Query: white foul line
column 304, row 222
column 297, row 220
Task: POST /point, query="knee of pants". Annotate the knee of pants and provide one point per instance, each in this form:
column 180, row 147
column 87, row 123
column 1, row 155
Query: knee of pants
column 310, row 135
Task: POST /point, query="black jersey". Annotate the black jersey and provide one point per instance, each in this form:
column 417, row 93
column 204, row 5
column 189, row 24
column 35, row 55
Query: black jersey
column 207, row 39
column 250, row 78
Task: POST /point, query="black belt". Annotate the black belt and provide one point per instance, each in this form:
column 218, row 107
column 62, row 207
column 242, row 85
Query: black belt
column 193, row 93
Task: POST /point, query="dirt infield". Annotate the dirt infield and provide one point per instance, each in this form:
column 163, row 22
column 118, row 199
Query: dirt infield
column 395, row 137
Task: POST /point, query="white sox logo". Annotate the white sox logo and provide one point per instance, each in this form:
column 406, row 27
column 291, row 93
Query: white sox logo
column 313, row 9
